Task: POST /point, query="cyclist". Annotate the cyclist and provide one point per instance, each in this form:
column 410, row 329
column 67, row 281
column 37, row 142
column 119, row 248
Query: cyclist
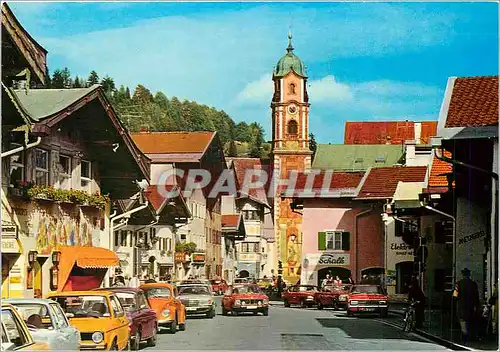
column 416, row 294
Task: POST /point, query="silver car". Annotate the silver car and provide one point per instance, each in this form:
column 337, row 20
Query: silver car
column 198, row 299
column 47, row 323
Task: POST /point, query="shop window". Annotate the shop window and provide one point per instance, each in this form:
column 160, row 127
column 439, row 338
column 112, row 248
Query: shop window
column 85, row 175
column 41, row 167
column 64, row 177
column 17, row 162
column 292, row 127
column 244, row 247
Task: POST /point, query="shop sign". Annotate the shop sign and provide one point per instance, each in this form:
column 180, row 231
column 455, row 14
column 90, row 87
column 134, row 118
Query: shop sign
column 472, row 237
column 180, row 257
column 198, row 258
column 401, row 249
column 10, row 245
column 247, row 257
column 334, row 259
column 9, row 230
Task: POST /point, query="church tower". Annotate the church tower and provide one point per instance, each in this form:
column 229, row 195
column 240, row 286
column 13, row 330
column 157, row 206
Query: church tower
column 290, row 152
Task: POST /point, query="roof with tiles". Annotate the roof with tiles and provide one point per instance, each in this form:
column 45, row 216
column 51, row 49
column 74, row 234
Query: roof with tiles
column 155, row 197
column 381, row 183
column 387, row 132
column 338, row 182
column 231, row 220
column 439, row 169
column 241, row 166
column 474, row 102
column 173, row 142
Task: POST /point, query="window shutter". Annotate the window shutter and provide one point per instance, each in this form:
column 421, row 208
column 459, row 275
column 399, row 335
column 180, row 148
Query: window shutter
column 346, row 238
column 322, row 241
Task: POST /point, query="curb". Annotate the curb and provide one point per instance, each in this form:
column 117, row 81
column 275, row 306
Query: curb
column 439, row 340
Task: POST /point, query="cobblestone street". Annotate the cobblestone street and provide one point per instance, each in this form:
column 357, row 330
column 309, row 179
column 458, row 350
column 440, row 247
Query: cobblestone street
column 291, row 329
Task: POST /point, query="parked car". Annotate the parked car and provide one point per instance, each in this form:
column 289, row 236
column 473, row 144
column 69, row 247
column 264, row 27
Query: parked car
column 367, row 299
column 47, row 323
column 197, row 299
column 332, row 296
column 15, row 335
column 143, row 321
column 98, row 315
column 264, row 283
column 242, row 298
column 219, row 286
column 300, row 294
column 163, row 299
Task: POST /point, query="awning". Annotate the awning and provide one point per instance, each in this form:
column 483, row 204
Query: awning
column 86, row 258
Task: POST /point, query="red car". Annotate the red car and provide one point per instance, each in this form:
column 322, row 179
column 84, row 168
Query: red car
column 143, row 321
column 332, row 296
column 245, row 298
column 218, row 286
column 300, row 294
column 369, row 299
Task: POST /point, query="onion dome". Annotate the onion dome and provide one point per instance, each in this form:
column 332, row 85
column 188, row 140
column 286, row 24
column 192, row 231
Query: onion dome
column 289, row 62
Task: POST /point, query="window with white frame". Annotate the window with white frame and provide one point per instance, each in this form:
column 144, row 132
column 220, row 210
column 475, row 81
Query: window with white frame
column 251, row 215
column 85, row 172
column 41, row 167
column 334, row 240
column 17, row 163
column 64, row 177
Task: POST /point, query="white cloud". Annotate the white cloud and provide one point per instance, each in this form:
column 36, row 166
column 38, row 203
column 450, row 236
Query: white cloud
column 329, row 90
column 257, row 92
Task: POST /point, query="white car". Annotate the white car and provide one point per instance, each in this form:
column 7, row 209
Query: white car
column 47, row 323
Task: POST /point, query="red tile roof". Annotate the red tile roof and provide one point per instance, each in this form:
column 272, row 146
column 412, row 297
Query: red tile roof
column 241, row 165
column 392, row 132
column 155, row 197
column 438, row 169
column 172, row 142
column 382, row 182
column 474, row 102
column 232, row 220
column 338, row 181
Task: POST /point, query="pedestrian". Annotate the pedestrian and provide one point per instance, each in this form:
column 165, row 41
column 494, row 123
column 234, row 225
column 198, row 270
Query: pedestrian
column 350, row 280
column 338, row 281
column 134, row 282
column 119, row 281
column 466, row 294
column 417, row 295
column 325, row 281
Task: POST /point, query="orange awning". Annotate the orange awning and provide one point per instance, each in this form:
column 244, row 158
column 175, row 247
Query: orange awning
column 84, row 257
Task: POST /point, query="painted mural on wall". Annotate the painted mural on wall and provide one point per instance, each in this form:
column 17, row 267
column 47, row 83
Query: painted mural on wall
column 53, row 225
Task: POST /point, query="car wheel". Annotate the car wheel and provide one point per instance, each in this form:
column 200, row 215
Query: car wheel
column 302, row 303
column 136, row 341
column 152, row 339
column 320, row 306
column 349, row 314
column 182, row 327
column 224, row 311
column 287, row 304
column 114, row 346
column 173, row 327
column 212, row 314
column 335, row 306
column 266, row 312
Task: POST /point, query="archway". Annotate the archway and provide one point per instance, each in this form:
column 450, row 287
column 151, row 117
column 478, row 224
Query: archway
column 372, row 276
column 404, row 271
column 244, row 274
column 343, row 273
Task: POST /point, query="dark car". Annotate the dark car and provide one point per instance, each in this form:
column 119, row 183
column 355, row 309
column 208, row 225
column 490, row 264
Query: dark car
column 143, row 321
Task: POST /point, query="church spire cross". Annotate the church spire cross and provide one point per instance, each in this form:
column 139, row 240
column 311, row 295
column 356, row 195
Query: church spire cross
column 290, row 46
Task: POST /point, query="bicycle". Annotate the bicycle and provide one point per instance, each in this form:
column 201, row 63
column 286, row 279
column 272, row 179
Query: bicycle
column 409, row 319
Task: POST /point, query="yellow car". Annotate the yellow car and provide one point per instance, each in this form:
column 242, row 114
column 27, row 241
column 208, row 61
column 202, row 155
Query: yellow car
column 15, row 333
column 264, row 283
column 98, row 315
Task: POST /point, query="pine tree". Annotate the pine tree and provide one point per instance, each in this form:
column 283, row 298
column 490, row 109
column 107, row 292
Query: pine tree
column 108, row 85
column 77, row 83
column 66, row 77
column 57, row 80
column 313, row 145
column 93, row 78
column 257, row 140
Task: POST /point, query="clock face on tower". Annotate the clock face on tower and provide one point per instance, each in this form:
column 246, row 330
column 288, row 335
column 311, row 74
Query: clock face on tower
column 292, row 109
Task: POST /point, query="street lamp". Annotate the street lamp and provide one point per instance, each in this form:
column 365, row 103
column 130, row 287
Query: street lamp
column 32, row 255
column 56, row 257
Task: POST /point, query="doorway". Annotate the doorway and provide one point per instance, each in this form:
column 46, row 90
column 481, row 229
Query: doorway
column 404, row 271
column 244, row 274
column 343, row 273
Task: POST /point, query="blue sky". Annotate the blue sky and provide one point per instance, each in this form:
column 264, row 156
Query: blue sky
column 365, row 61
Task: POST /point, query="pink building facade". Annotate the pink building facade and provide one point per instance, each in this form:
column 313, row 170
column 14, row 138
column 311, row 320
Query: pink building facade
column 341, row 237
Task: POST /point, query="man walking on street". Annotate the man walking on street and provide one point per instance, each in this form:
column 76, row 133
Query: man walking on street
column 467, row 295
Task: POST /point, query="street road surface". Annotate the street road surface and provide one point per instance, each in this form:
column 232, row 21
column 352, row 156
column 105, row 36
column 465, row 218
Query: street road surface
column 291, row 329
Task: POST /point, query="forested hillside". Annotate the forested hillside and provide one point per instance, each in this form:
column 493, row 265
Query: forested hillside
column 143, row 110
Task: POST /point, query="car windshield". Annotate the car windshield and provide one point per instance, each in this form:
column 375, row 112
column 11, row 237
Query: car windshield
column 366, row 289
column 127, row 299
column 306, row 288
column 193, row 290
column 158, row 292
column 35, row 315
column 245, row 289
column 84, row 306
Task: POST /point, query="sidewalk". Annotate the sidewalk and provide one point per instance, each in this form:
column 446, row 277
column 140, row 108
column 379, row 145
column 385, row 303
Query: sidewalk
column 436, row 327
